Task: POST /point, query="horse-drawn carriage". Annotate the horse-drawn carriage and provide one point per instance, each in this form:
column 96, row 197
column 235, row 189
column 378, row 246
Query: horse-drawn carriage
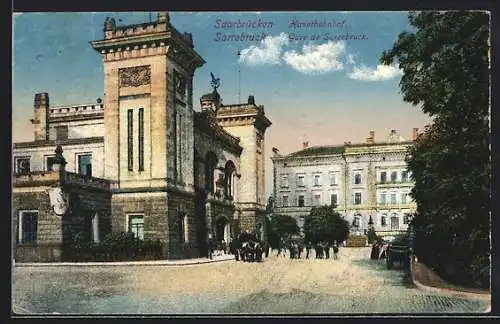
column 249, row 248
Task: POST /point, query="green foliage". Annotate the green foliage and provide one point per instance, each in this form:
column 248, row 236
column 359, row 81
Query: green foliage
column 119, row 246
column 446, row 73
column 280, row 226
column 325, row 224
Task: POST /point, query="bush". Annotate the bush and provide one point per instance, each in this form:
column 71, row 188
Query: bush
column 120, row 246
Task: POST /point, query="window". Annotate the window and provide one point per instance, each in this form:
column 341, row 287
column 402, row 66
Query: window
column 301, row 201
column 136, row 225
column 356, row 221
column 229, row 179
column 22, row 165
column 141, row 139
column 317, row 178
column 403, row 198
column 383, row 177
column 183, row 227
column 300, row 181
column 285, row 201
column 333, row 180
column 394, row 176
column 28, row 227
column 357, row 198
column 333, row 200
column 317, row 200
column 85, row 164
column 404, row 176
column 130, row 140
column 61, row 132
column 393, row 198
column 49, row 162
column 357, row 178
column 284, row 180
column 95, row 228
column 394, row 222
column 383, row 198
column 406, row 218
column 383, row 220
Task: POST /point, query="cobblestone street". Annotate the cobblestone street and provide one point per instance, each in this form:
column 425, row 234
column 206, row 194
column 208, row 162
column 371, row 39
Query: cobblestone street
column 351, row 284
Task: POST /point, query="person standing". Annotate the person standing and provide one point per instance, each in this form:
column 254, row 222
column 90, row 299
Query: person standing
column 335, row 250
column 308, row 249
column 326, row 246
column 210, row 247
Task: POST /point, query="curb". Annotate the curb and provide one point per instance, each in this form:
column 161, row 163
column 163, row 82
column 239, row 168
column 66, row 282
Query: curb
column 125, row 263
column 449, row 292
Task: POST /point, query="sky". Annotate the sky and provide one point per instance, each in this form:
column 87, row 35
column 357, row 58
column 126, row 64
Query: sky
column 317, row 74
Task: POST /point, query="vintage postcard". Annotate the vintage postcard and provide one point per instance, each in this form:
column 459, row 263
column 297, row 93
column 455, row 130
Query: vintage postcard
column 250, row 163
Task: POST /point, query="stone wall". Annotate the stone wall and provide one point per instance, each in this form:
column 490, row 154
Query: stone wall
column 179, row 203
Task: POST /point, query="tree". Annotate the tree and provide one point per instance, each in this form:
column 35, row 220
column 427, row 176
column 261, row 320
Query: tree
column 445, row 66
column 325, row 224
column 281, row 226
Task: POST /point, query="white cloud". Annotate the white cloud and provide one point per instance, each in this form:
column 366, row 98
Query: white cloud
column 381, row 73
column 350, row 59
column 317, row 59
column 268, row 52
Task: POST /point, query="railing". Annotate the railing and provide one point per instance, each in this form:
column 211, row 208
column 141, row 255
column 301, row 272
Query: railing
column 82, row 180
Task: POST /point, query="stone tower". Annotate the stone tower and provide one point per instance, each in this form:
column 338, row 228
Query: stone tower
column 148, row 121
column 41, row 121
column 249, row 123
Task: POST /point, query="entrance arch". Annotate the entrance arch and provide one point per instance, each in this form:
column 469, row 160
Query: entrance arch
column 222, row 230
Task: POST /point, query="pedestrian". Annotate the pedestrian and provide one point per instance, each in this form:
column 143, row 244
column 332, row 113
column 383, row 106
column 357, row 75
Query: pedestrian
column 224, row 247
column 266, row 249
column 308, row 249
column 335, row 250
column 326, row 246
column 210, row 247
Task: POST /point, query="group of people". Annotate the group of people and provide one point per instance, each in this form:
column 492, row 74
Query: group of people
column 296, row 249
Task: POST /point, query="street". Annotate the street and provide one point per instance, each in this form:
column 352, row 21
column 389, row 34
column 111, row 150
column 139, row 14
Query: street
column 351, row 284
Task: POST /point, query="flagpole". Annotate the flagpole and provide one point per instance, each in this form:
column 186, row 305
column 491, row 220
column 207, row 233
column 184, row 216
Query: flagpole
column 239, row 78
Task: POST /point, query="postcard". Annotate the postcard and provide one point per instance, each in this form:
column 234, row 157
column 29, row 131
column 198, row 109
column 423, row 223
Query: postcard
column 251, row 163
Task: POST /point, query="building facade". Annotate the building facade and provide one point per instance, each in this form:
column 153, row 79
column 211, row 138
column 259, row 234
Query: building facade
column 367, row 182
column 159, row 168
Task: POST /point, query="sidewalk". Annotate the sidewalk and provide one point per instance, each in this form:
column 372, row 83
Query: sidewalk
column 183, row 262
column 427, row 280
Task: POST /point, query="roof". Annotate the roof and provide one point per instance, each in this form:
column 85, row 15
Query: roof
column 339, row 149
column 319, row 150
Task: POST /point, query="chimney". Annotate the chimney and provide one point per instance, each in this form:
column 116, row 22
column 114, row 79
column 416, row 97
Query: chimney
column 371, row 138
column 415, row 134
column 41, row 120
column 251, row 100
column 305, row 145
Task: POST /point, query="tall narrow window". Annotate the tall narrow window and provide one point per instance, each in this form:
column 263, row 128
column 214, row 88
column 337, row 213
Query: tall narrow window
column 23, row 165
column 28, row 227
column 85, row 164
column 317, row 178
column 285, row 201
column 394, row 176
column 301, row 201
column 357, row 198
column 141, row 139
column 130, row 140
column 383, row 177
column 333, row 200
column 136, row 225
column 357, row 178
column 404, row 176
column 50, row 160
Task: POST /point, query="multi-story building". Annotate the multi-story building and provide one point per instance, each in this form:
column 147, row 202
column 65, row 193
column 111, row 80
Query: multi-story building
column 143, row 160
column 367, row 182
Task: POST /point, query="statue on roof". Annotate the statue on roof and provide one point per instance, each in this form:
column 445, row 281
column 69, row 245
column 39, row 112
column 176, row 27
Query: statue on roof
column 215, row 83
column 109, row 23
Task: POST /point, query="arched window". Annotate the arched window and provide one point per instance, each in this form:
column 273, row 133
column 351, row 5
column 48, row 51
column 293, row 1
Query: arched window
column 210, row 164
column 383, row 220
column 229, row 171
column 394, row 222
